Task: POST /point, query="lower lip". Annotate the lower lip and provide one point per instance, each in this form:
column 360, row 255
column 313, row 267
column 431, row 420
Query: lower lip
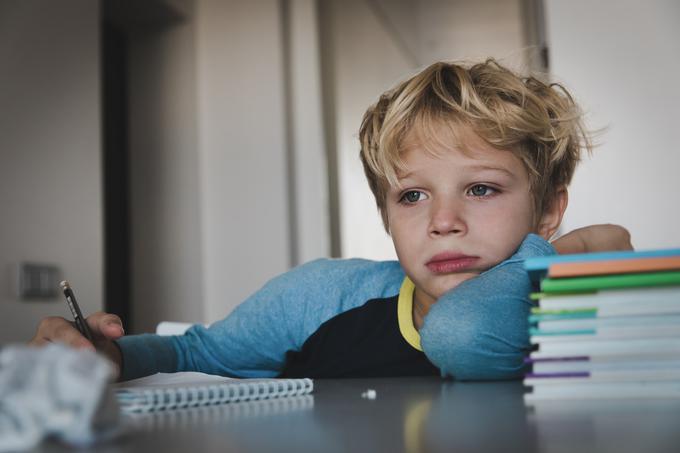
column 447, row 266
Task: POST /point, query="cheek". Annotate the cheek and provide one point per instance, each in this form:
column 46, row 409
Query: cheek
column 398, row 231
column 506, row 227
column 403, row 220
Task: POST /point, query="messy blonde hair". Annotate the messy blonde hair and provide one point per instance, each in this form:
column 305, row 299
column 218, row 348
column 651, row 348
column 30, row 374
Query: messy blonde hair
column 540, row 123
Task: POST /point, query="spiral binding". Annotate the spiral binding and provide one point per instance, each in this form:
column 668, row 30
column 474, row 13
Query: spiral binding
column 168, row 398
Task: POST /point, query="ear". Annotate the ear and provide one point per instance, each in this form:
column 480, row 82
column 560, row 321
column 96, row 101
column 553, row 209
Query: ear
column 552, row 215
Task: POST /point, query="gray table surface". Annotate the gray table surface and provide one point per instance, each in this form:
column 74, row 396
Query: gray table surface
column 408, row 415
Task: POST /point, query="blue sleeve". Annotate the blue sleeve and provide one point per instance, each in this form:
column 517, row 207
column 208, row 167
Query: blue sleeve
column 480, row 330
column 254, row 339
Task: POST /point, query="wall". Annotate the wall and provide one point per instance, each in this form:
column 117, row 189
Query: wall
column 379, row 43
column 165, row 202
column 471, row 29
column 367, row 61
column 620, row 59
column 211, row 197
column 242, row 143
column 309, row 197
column 50, row 153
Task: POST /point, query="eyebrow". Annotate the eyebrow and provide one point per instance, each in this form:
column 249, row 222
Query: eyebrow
column 480, row 167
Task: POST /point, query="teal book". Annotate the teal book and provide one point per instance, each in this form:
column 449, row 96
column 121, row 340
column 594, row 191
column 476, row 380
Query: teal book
column 589, row 284
column 555, row 315
column 618, row 323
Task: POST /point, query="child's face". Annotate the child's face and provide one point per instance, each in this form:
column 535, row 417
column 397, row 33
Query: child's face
column 457, row 214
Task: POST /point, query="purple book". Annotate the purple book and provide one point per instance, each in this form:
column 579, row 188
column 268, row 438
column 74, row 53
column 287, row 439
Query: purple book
column 579, row 374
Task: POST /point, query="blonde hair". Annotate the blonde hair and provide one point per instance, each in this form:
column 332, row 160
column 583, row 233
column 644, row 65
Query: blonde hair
column 538, row 122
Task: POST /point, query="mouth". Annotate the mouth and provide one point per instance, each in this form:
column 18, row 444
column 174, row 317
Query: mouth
column 447, row 262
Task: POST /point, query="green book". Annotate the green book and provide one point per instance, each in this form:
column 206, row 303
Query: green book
column 587, row 284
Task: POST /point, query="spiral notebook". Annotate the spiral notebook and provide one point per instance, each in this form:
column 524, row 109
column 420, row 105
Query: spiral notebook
column 166, row 391
column 183, row 419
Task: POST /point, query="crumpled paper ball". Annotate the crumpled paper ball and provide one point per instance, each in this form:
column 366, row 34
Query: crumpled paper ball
column 55, row 391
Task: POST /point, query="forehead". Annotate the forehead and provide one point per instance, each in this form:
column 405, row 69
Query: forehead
column 455, row 145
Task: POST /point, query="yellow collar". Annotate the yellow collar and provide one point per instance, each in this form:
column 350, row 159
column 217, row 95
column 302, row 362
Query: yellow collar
column 405, row 314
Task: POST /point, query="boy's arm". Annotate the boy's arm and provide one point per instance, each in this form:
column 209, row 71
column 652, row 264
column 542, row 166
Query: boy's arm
column 253, row 340
column 594, row 238
column 479, row 330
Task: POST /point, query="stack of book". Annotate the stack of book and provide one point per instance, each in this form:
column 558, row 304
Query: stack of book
column 606, row 325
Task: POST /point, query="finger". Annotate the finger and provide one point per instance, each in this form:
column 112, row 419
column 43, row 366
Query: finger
column 54, row 329
column 37, row 341
column 106, row 325
column 71, row 336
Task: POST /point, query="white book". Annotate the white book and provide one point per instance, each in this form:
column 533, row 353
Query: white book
column 612, row 347
column 611, row 355
column 632, row 309
column 599, row 364
column 638, row 309
column 163, row 391
column 556, row 325
column 663, row 296
column 604, row 390
column 605, row 333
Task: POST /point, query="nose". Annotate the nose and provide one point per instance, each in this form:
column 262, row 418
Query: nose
column 447, row 217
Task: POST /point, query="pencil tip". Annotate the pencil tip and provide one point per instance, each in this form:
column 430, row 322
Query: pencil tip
column 64, row 284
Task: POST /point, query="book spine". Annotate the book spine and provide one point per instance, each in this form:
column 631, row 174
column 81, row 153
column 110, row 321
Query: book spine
column 566, row 285
column 605, row 390
column 622, row 266
column 582, row 366
column 613, row 347
column 538, row 267
column 641, row 309
column 657, row 295
column 575, row 378
column 539, row 336
column 646, row 321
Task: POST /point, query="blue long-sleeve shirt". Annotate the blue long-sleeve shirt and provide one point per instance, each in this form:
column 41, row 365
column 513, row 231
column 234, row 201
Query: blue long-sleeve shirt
column 335, row 318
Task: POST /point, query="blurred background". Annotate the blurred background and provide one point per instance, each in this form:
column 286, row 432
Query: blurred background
column 168, row 157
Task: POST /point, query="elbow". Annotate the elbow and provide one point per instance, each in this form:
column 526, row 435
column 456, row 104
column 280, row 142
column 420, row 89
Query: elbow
column 468, row 347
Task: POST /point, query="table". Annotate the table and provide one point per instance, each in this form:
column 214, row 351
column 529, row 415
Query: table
column 408, row 415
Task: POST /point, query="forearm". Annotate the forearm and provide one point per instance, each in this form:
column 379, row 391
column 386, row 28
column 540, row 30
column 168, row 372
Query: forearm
column 254, row 339
column 479, row 330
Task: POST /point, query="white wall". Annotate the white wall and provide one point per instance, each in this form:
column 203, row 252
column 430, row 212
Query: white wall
column 244, row 206
column 50, row 153
column 621, row 59
column 367, row 62
column 471, row 29
column 219, row 124
column 308, row 148
column 376, row 45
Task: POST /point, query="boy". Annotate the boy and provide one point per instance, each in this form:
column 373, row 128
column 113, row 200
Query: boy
column 469, row 168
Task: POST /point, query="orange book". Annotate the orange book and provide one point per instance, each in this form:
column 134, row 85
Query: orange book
column 624, row 266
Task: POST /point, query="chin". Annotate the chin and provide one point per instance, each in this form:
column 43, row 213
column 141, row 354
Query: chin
column 456, row 279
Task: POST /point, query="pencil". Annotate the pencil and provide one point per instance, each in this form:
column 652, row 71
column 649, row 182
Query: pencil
column 81, row 324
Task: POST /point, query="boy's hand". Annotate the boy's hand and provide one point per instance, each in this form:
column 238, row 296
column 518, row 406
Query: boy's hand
column 594, row 238
column 105, row 328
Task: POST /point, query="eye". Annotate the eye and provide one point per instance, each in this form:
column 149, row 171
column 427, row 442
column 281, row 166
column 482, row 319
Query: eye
column 412, row 196
column 481, row 190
